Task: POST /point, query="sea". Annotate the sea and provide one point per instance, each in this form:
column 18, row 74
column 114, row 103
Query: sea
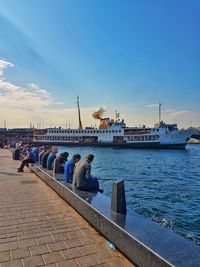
column 162, row 185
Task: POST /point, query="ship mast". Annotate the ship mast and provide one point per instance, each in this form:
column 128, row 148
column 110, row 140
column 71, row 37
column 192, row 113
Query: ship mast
column 159, row 119
column 79, row 114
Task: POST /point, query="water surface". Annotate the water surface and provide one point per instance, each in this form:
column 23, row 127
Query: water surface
column 163, row 185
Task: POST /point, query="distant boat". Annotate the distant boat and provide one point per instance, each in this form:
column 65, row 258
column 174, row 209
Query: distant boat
column 114, row 133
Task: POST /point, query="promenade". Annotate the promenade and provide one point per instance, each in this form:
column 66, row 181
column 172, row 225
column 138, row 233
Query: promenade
column 38, row 228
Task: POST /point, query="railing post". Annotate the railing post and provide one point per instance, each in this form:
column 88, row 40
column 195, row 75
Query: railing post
column 118, row 201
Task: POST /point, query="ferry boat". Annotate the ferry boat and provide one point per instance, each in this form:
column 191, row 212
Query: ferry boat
column 114, row 133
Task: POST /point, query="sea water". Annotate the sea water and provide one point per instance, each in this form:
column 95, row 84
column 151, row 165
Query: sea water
column 163, row 185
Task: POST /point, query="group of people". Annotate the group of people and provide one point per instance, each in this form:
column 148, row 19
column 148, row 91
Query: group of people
column 75, row 170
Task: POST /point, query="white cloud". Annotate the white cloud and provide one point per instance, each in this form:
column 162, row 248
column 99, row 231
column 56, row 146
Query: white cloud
column 13, row 96
column 4, row 64
column 59, row 103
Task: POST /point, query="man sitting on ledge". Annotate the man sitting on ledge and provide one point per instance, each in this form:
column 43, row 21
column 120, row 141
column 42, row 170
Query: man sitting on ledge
column 30, row 158
column 82, row 176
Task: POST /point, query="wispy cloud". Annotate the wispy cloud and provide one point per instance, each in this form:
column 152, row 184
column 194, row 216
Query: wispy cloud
column 31, row 103
column 180, row 112
column 4, row 65
column 12, row 96
column 155, row 105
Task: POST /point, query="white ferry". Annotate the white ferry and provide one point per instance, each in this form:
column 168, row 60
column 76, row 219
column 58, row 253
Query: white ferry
column 114, row 133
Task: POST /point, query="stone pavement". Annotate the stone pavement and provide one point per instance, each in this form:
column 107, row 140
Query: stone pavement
column 38, row 228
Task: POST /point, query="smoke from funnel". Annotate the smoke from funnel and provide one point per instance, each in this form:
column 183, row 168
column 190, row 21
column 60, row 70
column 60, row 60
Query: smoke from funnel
column 98, row 114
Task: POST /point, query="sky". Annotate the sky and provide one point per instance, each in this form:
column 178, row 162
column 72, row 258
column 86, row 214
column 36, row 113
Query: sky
column 120, row 55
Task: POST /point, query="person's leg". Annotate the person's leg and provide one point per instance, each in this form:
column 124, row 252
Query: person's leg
column 24, row 162
column 92, row 185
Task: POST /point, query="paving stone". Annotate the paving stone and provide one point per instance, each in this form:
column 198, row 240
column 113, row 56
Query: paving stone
column 57, row 246
column 88, row 240
column 67, row 263
column 52, row 257
column 15, row 263
column 60, row 237
column 39, row 250
column 27, row 243
column 44, row 240
column 71, row 243
column 71, row 253
column 4, row 256
column 20, row 253
column 33, row 261
column 8, row 246
column 89, row 249
column 86, row 261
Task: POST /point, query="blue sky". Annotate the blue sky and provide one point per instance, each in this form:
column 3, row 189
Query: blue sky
column 124, row 55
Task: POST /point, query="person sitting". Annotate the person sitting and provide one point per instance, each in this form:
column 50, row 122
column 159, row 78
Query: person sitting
column 51, row 158
column 29, row 158
column 82, row 176
column 69, row 168
column 42, row 150
column 45, row 156
column 59, row 162
column 35, row 151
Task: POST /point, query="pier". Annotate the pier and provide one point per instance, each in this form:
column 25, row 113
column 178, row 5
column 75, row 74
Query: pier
column 38, row 228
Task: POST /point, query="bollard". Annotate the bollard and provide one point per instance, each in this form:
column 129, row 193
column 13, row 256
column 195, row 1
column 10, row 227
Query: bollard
column 118, row 201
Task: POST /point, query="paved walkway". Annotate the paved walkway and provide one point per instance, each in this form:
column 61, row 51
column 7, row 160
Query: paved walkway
column 37, row 228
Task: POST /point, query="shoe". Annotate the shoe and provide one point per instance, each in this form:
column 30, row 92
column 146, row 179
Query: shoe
column 100, row 190
column 20, row 170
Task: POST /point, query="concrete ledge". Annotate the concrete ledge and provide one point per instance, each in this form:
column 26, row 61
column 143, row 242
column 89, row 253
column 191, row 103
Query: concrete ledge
column 144, row 242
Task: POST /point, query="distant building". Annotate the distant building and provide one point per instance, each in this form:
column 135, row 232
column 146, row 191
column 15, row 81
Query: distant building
column 16, row 134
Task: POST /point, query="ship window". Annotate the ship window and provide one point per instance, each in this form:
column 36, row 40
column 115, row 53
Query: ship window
column 109, row 131
column 113, row 131
column 119, row 131
column 106, row 131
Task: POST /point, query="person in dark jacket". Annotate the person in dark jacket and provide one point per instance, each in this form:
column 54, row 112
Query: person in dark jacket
column 45, row 156
column 59, row 162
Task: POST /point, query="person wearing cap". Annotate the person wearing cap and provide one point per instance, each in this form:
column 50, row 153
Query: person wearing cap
column 70, row 167
column 82, row 175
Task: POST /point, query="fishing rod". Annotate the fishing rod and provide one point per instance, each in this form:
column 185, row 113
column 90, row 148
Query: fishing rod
column 127, row 180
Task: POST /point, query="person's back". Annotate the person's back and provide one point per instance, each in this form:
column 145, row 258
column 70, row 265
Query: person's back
column 68, row 170
column 44, row 159
column 31, row 156
column 82, row 173
column 51, row 157
column 56, row 165
column 82, row 176
column 50, row 160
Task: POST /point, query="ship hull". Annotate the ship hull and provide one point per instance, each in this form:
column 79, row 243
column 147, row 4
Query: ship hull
column 146, row 145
